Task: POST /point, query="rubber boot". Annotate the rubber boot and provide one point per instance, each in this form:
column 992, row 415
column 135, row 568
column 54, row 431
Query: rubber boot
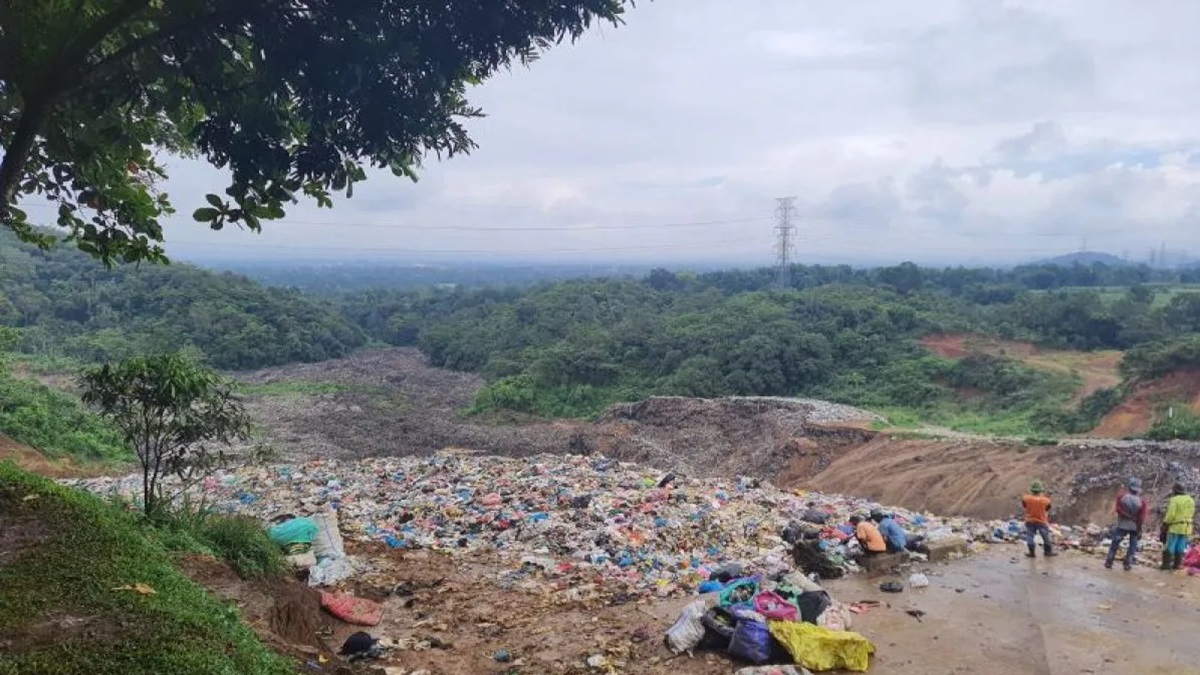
column 1032, row 552
column 1177, row 561
column 1050, row 552
column 1167, row 561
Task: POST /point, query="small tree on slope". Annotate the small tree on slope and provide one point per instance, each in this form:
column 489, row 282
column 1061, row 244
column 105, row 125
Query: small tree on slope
column 177, row 415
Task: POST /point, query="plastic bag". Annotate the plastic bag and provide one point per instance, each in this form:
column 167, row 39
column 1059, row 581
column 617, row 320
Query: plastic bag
column 719, row 624
column 294, row 531
column 740, row 592
column 328, row 540
column 688, row 631
column 751, row 641
column 1192, row 557
column 836, row 616
column 918, row 580
column 330, row 571
column 774, row 606
column 820, row 649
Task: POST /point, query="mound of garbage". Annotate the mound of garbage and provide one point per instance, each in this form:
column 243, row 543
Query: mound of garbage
column 590, row 524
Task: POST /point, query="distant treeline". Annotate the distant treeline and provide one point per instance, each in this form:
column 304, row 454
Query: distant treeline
column 570, row 348
column 66, row 304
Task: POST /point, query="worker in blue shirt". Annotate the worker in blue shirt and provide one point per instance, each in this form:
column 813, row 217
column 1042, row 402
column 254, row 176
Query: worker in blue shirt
column 893, row 534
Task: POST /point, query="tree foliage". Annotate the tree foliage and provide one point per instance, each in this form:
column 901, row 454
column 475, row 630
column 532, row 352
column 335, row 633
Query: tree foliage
column 293, row 98
column 65, row 305
column 571, row 348
column 176, row 415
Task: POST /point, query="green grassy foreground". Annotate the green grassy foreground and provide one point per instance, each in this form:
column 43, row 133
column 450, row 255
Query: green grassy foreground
column 64, row 558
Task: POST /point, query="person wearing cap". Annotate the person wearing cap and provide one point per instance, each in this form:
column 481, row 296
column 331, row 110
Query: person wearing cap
column 1181, row 511
column 868, row 535
column 894, row 536
column 1037, row 520
column 1131, row 510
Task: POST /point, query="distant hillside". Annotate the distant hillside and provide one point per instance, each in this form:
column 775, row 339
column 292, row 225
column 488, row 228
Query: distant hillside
column 1086, row 258
column 66, row 304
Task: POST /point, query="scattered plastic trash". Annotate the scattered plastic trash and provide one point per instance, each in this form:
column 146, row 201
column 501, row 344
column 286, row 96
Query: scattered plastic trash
column 891, row 587
column 575, row 520
column 361, row 646
column 918, row 580
column 502, row 656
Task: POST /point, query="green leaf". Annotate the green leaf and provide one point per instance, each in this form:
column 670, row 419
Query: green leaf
column 205, row 215
column 215, row 201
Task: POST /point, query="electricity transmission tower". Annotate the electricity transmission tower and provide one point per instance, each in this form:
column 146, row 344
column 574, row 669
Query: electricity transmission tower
column 785, row 233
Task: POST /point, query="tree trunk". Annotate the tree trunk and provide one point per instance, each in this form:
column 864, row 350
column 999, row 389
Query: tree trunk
column 17, row 153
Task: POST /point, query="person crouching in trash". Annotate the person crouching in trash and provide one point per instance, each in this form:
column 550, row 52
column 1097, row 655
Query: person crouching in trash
column 868, row 536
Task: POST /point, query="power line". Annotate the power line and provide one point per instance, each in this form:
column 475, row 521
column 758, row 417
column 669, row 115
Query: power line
column 481, row 228
column 386, row 249
column 784, row 231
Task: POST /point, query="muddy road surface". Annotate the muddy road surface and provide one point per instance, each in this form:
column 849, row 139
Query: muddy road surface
column 1000, row 613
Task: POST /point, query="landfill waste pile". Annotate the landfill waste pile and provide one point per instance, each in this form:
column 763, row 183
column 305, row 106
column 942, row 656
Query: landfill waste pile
column 590, row 525
column 783, row 619
column 1110, row 463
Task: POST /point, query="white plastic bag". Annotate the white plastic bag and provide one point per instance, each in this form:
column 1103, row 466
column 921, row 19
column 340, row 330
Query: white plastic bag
column 330, row 571
column 918, row 580
column 328, row 542
column 688, row 631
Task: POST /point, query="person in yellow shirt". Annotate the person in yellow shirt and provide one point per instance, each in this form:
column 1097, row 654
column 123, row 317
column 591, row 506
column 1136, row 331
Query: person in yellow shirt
column 868, row 535
column 1181, row 511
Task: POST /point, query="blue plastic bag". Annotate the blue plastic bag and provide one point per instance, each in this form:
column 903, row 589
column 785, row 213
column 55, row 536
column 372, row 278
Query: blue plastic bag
column 751, row 641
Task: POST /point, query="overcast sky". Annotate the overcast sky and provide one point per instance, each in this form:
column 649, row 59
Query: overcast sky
column 931, row 130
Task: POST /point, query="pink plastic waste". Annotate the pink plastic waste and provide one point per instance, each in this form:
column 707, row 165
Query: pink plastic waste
column 774, row 607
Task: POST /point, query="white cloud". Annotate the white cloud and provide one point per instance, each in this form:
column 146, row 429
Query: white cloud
column 935, row 130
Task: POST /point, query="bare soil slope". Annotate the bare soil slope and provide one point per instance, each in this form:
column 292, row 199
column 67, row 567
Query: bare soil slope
column 984, row 478
column 1140, row 409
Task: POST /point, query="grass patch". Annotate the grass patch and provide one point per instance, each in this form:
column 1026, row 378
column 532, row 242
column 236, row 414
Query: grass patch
column 56, row 424
column 240, row 541
column 83, row 549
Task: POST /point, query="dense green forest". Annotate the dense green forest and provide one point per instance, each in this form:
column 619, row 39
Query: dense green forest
column 571, row 348
column 64, row 303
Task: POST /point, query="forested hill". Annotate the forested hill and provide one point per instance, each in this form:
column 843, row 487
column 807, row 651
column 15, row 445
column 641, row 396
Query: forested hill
column 66, row 304
column 571, row 348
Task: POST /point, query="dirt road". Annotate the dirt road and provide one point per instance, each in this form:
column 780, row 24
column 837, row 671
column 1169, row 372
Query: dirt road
column 1036, row 617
